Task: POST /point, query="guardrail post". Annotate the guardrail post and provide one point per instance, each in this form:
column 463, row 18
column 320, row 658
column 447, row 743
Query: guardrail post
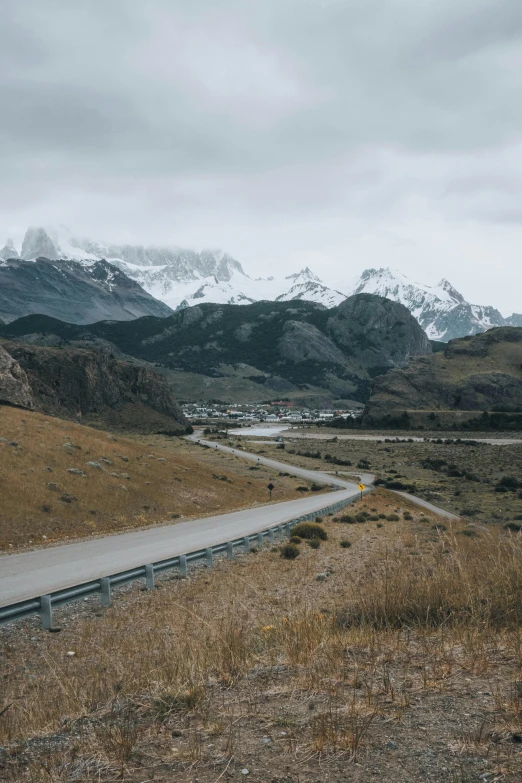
column 46, row 612
column 288, row 528
column 246, row 543
column 260, row 540
column 271, row 536
column 208, row 557
column 183, row 567
column 105, row 584
column 149, row 577
column 230, row 550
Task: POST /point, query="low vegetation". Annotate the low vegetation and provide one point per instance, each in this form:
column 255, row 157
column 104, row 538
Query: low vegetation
column 399, row 651
column 60, row 480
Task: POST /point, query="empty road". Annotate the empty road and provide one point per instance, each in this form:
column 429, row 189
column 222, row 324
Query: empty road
column 32, row 574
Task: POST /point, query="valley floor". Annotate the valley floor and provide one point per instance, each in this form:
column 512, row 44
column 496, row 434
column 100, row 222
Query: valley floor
column 478, row 479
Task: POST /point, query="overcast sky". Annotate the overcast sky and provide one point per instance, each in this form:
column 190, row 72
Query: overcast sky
column 339, row 134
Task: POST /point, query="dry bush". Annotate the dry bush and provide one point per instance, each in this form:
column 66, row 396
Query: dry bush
column 476, row 582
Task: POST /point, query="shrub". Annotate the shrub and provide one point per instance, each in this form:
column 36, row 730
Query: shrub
column 316, row 487
column 507, row 483
column 469, row 512
column 289, row 551
column 348, row 519
column 314, row 543
column 295, row 539
column 407, row 515
column 514, row 527
column 310, row 530
column 345, row 543
column 393, row 517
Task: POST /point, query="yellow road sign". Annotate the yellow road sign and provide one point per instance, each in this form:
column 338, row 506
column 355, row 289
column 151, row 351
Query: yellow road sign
column 361, row 487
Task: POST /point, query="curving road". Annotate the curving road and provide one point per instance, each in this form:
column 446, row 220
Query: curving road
column 32, row 574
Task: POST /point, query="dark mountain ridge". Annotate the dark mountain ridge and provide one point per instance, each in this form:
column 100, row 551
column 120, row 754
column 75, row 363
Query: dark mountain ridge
column 278, row 345
column 75, row 292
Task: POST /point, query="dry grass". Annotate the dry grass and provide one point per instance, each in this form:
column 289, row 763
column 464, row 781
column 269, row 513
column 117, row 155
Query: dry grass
column 291, row 670
column 141, row 481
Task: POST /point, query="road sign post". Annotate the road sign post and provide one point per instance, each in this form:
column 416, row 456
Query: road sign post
column 270, row 487
column 361, row 488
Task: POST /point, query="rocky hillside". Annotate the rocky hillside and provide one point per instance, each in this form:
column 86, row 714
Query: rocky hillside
column 87, row 385
column 279, row 347
column 480, row 373
column 79, row 293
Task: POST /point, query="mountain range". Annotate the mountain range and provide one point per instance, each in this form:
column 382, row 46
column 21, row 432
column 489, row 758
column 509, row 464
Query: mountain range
column 298, row 349
column 180, row 278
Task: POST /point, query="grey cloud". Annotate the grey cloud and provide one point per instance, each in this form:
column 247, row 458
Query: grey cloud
column 266, row 125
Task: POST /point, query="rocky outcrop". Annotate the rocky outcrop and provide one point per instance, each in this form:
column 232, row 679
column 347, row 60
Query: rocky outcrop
column 8, row 251
column 479, row 373
column 37, row 243
column 93, row 386
column 381, row 332
column 14, row 386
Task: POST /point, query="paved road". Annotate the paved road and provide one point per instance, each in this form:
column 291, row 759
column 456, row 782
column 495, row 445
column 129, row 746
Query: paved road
column 291, row 433
column 441, row 512
column 310, row 475
column 36, row 573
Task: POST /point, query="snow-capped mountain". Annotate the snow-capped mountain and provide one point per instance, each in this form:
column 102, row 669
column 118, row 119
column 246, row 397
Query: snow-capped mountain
column 441, row 310
column 181, row 278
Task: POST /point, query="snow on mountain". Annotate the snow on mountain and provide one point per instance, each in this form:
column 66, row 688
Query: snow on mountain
column 441, row 310
column 182, row 278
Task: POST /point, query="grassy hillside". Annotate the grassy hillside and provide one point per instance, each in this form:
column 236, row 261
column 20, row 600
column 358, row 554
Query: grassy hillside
column 129, row 483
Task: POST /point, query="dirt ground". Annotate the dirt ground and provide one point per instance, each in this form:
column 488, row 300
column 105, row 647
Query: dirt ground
column 265, row 670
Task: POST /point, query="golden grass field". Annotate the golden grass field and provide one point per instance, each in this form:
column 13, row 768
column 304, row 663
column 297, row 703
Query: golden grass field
column 138, row 482
column 394, row 656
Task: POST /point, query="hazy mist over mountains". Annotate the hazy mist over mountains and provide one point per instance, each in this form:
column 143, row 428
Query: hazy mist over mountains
column 180, row 278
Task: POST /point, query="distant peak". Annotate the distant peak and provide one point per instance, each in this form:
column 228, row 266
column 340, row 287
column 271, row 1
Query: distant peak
column 37, row 242
column 8, row 251
column 304, row 274
column 446, row 286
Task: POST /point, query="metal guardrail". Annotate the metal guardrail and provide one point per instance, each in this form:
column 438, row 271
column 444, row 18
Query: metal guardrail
column 44, row 604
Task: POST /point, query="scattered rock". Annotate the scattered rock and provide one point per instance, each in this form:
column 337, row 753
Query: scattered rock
column 68, row 498
column 95, row 464
column 76, row 472
column 392, row 746
column 123, row 459
column 161, row 459
column 13, row 443
column 48, row 469
column 122, row 486
column 125, row 476
column 105, row 461
column 116, row 475
column 4, row 440
column 52, row 486
column 321, row 577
